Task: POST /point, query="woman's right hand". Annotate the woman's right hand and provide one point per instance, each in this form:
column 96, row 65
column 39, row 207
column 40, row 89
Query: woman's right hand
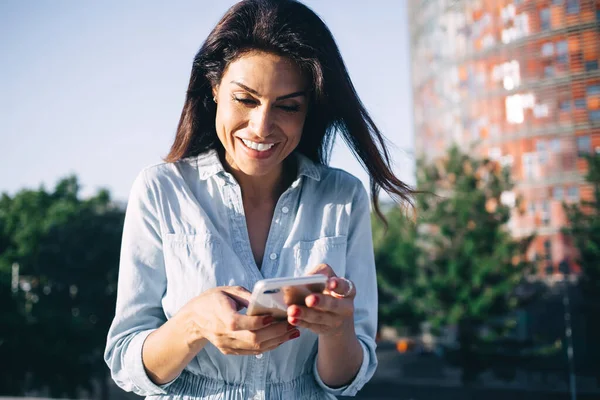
column 214, row 316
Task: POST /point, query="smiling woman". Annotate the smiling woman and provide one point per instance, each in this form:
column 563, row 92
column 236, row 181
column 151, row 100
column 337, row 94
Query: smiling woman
column 246, row 194
column 262, row 107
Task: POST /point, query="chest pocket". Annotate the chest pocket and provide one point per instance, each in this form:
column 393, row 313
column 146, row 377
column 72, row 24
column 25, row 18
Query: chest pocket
column 327, row 250
column 191, row 265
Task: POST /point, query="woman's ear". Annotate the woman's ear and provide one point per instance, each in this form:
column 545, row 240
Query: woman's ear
column 215, row 90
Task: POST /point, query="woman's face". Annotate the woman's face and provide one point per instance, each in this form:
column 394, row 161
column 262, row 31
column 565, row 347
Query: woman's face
column 261, row 108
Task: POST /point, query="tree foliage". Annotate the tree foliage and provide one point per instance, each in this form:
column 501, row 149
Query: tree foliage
column 584, row 231
column 458, row 266
column 67, row 252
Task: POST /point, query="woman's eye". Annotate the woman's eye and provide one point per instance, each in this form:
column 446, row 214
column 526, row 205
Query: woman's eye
column 245, row 101
column 290, row 109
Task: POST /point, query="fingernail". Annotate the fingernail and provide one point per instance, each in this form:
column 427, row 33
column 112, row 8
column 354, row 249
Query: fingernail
column 296, row 312
column 293, row 320
column 268, row 320
column 315, row 301
column 295, row 335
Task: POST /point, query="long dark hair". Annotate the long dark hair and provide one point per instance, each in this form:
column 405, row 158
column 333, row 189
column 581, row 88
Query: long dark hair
column 289, row 29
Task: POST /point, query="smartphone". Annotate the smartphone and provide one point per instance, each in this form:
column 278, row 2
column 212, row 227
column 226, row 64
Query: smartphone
column 274, row 296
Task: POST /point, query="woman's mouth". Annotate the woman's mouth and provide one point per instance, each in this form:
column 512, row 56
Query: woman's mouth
column 258, row 146
column 258, row 150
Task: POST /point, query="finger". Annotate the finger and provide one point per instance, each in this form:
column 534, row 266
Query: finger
column 342, row 287
column 325, row 303
column 240, row 322
column 311, row 315
column 316, row 328
column 322, row 269
column 294, row 333
column 239, row 294
column 276, row 330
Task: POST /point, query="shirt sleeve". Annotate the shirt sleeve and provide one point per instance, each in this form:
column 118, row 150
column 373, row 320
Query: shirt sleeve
column 360, row 269
column 141, row 286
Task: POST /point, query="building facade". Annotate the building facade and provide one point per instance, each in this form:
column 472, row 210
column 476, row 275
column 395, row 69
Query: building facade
column 517, row 81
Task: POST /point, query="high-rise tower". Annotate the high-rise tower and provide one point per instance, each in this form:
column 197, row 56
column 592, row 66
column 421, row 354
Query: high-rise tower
column 520, row 81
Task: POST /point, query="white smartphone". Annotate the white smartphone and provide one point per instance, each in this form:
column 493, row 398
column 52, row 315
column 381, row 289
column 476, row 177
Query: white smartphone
column 274, row 296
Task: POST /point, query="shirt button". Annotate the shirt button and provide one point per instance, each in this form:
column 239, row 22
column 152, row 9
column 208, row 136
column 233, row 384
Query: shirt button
column 259, row 356
column 285, row 210
column 273, row 256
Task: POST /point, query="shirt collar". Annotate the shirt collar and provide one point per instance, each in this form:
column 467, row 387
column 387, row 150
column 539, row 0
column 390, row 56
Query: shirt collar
column 209, row 164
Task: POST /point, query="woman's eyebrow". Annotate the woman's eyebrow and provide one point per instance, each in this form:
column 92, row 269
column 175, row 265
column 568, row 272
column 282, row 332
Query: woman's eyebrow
column 254, row 92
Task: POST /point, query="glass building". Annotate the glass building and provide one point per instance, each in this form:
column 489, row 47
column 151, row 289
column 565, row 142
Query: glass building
column 520, row 81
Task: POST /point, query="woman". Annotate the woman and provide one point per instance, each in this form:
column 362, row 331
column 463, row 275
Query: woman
column 245, row 194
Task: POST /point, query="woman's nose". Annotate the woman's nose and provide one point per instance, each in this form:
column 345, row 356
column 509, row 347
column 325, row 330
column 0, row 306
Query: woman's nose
column 260, row 121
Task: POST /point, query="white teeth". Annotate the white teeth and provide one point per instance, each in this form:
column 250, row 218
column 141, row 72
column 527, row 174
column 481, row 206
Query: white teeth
column 258, row 146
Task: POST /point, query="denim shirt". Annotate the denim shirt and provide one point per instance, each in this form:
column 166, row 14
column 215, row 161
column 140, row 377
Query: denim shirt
column 185, row 232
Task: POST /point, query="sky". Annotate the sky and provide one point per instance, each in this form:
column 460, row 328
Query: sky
column 96, row 88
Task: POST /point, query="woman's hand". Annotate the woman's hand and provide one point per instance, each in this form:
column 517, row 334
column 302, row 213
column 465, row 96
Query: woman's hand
column 325, row 314
column 214, row 316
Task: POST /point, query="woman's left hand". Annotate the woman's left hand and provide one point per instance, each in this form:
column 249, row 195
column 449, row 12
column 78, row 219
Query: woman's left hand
column 323, row 313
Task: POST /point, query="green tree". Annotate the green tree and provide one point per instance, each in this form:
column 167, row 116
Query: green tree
column 460, row 267
column 396, row 253
column 67, row 250
column 584, row 230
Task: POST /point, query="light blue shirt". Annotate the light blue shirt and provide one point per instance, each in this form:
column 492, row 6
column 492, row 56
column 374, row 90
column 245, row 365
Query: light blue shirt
column 185, row 232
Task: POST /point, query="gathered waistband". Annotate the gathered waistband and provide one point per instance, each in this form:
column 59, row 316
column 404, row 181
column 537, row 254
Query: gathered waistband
column 204, row 387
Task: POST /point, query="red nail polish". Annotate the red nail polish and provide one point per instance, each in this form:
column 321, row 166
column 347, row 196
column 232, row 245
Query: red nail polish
column 268, row 320
column 315, row 301
column 295, row 335
column 296, row 312
column 293, row 320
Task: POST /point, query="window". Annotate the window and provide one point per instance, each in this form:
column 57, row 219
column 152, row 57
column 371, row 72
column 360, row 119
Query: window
column 562, row 47
column 591, row 65
column 548, row 249
column 583, row 145
column 545, row 212
column 558, row 193
column 573, row 193
column 541, row 110
column 572, row 6
column 562, row 59
column 528, row 165
column 548, row 71
column 580, row 104
column 545, row 18
column 557, row 2
column 546, row 206
column 565, row 105
column 548, row 49
column 531, row 207
column 540, row 145
column 594, row 115
column 593, row 90
column 555, row 145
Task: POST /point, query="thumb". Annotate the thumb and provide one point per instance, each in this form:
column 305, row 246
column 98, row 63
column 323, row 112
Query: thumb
column 239, row 294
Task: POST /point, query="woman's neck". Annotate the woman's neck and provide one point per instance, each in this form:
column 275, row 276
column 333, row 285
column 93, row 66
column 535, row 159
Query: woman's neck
column 265, row 189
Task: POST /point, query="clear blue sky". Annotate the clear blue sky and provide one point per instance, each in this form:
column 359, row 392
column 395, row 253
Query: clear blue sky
column 96, row 88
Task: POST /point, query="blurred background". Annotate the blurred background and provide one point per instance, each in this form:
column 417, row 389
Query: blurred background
column 489, row 287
